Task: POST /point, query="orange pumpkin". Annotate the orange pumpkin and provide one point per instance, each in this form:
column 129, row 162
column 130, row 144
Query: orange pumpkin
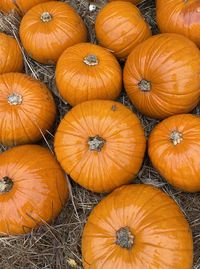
column 120, row 27
column 179, row 16
column 135, row 2
column 33, row 189
column 11, row 59
column 137, row 226
column 162, row 76
column 27, row 109
column 86, row 71
column 49, row 28
column 21, row 6
column 174, row 149
column 100, row 144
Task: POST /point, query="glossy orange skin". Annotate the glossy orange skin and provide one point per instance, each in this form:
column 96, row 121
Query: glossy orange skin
column 45, row 41
column 11, row 59
column 178, row 164
column 117, row 162
column 120, row 27
column 171, row 63
column 21, row 6
column 39, row 190
column 24, row 123
column 179, row 16
column 78, row 82
column 162, row 236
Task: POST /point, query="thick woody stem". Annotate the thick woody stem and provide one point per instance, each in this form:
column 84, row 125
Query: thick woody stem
column 124, row 238
column 144, row 85
column 15, row 99
column 91, row 60
column 46, row 17
column 176, row 137
column 96, row 143
column 6, row 185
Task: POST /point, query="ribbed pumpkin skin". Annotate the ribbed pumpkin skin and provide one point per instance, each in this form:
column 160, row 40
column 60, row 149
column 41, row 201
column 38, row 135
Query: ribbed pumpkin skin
column 120, row 27
column 162, row 236
column 25, row 122
column 179, row 16
column 78, row 82
column 10, row 55
column 179, row 164
column 121, row 156
column 39, row 189
column 171, row 63
column 45, row 41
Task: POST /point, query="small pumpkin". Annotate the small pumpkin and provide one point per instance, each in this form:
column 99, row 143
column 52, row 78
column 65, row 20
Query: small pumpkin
column 100, row 144
column 33, row 189
column 174, row 149
column 167, row 79
column 86, row 71
column 11, row 59
column 120, row 27
column 137, row 226
column 49, row 28
column 182, row 17
column 27, row 109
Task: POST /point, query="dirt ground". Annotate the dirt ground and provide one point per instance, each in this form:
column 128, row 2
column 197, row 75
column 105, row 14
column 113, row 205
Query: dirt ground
column 58, row 246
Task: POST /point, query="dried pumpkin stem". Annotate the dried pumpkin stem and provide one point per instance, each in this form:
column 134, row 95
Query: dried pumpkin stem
column 46, row 17
column 96, row 143
column 176, row 137
column 91, row 60
column 15, row 99
column 144, row 85
column 6, row 184
column 124, row 238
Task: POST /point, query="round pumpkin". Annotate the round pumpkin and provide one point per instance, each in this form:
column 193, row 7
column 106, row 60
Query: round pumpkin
column 11, row 59
column 33, row 189
column 100, row 144
column 86, row 71
column 49, row 28
column 21, row 6
column 27, row 109
column 179, row 16
column 137, row 226
column 120, row 27
column 174, row 149
column 167, row 79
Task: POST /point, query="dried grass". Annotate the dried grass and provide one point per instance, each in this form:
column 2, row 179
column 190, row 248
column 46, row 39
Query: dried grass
column 58, row 246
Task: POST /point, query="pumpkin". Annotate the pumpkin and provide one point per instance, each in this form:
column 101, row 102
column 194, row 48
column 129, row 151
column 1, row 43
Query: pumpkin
column 87, row 71
column 49, row 28
column 167, row 79
column 27, row 109
column 120, row 27
column 179, row 16
column 33, row 189
column 135, row 2
column 21, row 6
column 137, row 226
column 11, row 59
column 174, row 149
column 100, row 144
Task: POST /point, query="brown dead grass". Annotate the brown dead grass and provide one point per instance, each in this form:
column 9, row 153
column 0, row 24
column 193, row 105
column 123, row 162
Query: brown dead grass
column 58, row 246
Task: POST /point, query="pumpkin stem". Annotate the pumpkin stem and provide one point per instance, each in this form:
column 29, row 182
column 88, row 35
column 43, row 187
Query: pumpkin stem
column 176, row 137
column 6, row 184
column 144, row 85
column 46, row 17
column 124, row 238
column 96, row 143
column 15, row 99
column 91, row 60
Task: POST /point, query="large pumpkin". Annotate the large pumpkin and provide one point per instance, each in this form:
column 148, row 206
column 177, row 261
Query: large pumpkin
column 11, row 59
column 162, row 76
column 27, row 109
column 49, row 28
column 174, row 149
column 120, row 27
column 87, row 71
column 33, row 189
column 179, row 16
column 100, row 144
column 137, row 226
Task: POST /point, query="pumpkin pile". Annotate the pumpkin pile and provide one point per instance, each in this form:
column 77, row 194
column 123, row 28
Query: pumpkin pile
column 99, row 142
